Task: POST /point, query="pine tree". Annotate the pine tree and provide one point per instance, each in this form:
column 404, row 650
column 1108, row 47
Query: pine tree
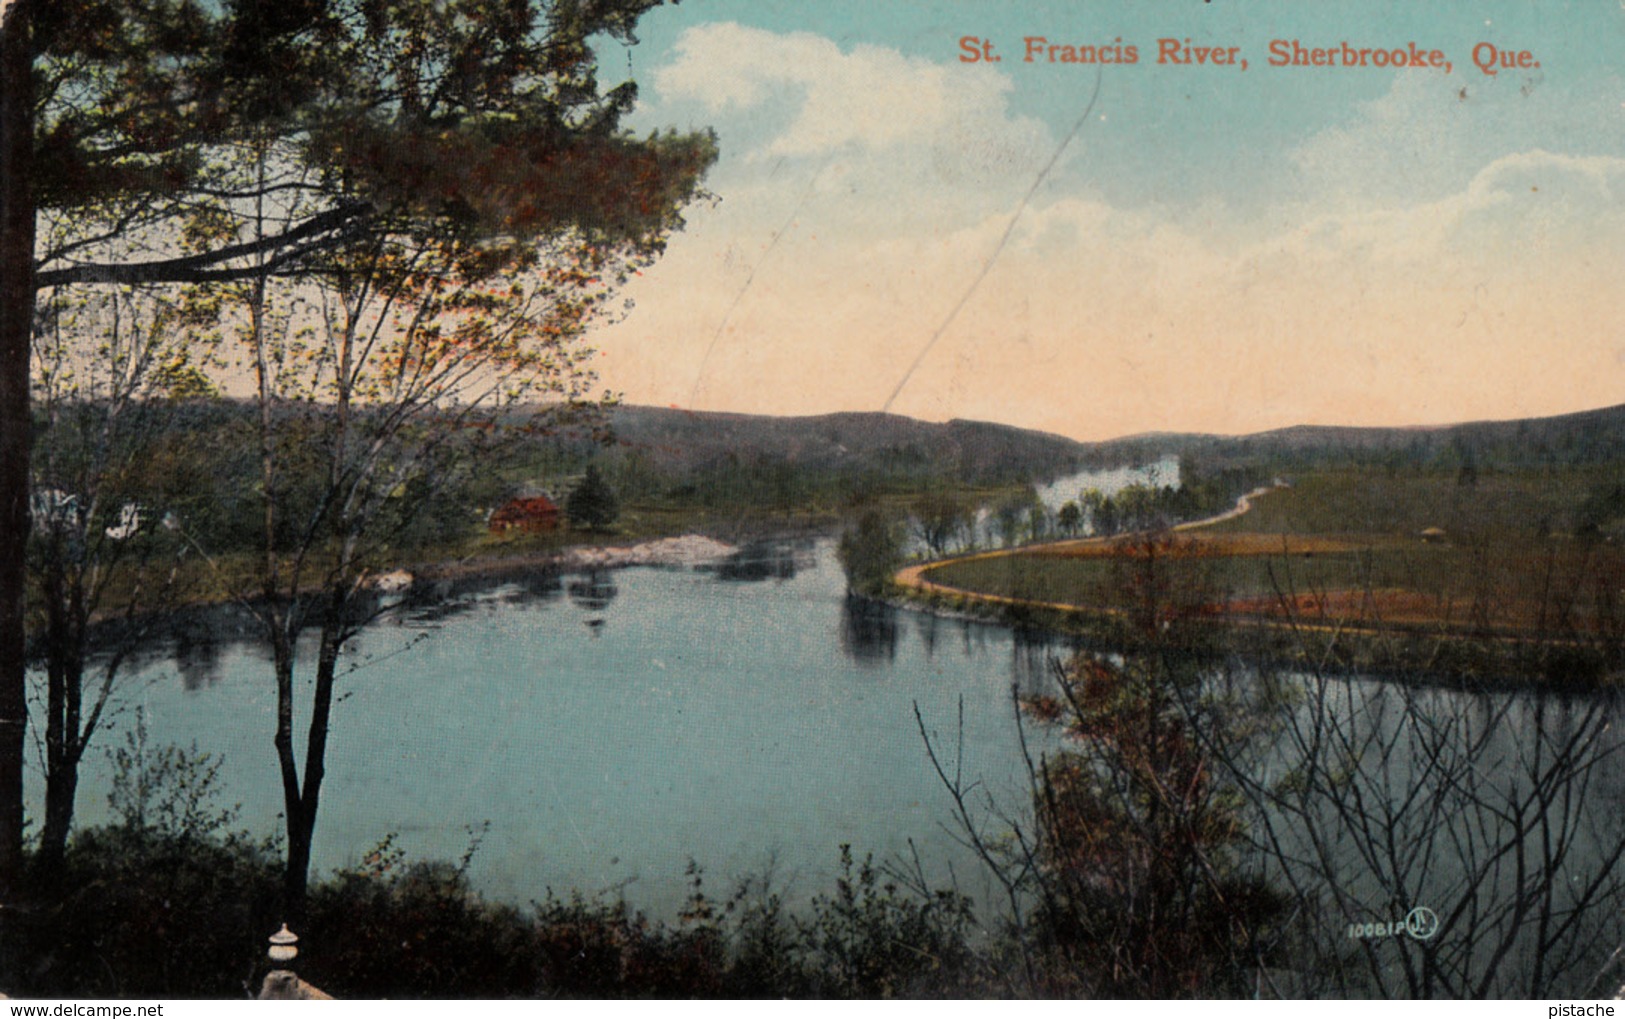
column 592, row 503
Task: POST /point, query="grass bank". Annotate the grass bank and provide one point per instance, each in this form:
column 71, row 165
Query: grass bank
column 1347, row 567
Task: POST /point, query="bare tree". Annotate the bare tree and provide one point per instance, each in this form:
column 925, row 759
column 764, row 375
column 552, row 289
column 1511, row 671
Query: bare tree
column 1495, row 816
column 1207, row 821
column 942, row 521
column 109, row 368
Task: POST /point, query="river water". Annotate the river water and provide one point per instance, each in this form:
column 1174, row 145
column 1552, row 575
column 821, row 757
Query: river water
column 604, row 729
column 611, row 727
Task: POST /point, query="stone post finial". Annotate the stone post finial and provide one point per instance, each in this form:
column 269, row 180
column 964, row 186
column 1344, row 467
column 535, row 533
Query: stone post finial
column 284, row 945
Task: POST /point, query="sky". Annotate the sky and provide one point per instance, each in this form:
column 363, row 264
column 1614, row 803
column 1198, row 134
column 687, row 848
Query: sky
column 1102, row 250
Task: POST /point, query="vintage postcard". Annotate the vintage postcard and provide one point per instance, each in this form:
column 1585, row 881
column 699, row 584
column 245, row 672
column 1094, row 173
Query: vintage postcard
column 900, row 498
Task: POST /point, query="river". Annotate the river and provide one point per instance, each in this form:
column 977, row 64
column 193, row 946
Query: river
column 603, row 729
column 613, row 726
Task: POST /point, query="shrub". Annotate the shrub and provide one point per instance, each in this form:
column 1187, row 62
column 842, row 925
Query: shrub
column 170, row 901
column 416, row 930
column 592, row 503
column 872, row 939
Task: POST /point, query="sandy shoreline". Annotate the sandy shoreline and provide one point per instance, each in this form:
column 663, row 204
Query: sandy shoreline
column 681, row 550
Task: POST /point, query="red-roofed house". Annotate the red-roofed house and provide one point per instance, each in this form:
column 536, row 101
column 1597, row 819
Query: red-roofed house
column 537, row 513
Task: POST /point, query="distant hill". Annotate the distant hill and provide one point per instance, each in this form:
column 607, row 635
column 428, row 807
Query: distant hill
column 681, row 440
column 850, row 451
column 677, row 441
column 1586, row 437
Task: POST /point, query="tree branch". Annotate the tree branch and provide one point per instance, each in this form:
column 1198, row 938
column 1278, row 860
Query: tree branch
column 307, row 237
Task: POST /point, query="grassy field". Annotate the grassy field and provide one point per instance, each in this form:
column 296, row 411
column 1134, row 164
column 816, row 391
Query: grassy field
column 1511, row 506
column 1347, row 548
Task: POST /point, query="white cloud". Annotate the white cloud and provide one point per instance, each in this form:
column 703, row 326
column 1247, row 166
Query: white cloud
column 1509, row 210
column 1362, row 296
column 867, row 97
column 1429, row 134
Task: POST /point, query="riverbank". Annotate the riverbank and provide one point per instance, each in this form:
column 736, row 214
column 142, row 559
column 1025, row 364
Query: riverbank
column 1087, row 587
column 679, row 550
column 912, row 578
column 1413, row 656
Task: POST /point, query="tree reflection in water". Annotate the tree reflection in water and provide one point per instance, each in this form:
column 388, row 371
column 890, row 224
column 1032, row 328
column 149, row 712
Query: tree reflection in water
column 594, row 590
column 765, row 560
column 868, row 630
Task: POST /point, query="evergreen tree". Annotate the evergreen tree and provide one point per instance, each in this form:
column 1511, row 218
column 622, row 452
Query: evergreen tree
column 1070, row 517
column 592, row 503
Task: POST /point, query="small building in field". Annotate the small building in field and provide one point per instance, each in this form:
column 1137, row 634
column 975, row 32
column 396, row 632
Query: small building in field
column 535, row 513
column 1434, row 535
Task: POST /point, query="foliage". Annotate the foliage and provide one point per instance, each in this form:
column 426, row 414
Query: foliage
column 185, row 913
column 942, row 519
column 1140, row 891
column 488, row 118
column 1069, row 518
column 416, row 929
column 1016, row 517
column 592, row 503
column 873, row 940
column 870, row 551
column 168, row 792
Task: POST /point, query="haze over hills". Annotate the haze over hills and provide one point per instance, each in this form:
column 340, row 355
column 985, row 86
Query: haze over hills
column 678, row 438
column 672, row 438
column 1584, row 437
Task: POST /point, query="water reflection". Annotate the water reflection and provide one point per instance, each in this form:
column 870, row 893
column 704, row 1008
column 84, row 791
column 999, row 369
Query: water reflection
column 434, row 601
column 197, row 659
column 928, row 624
column 190, row 640
column 1034, row 655
column 593, row 592
column 195, row 640
column 766, row 560
column 868, row 631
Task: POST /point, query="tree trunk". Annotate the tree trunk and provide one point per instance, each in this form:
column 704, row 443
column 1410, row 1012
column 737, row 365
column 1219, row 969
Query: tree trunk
column 65, row 621
column 302, row 824
column 61, row 787
column 293, row 805
column 295, row 878
column 16, row 328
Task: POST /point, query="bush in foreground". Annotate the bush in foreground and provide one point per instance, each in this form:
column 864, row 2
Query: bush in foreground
column 145, row 912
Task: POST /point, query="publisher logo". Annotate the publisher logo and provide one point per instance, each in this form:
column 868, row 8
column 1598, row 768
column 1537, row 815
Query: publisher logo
column 1421, row 923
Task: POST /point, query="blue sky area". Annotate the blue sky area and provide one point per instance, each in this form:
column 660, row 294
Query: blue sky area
column 1212, row 248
